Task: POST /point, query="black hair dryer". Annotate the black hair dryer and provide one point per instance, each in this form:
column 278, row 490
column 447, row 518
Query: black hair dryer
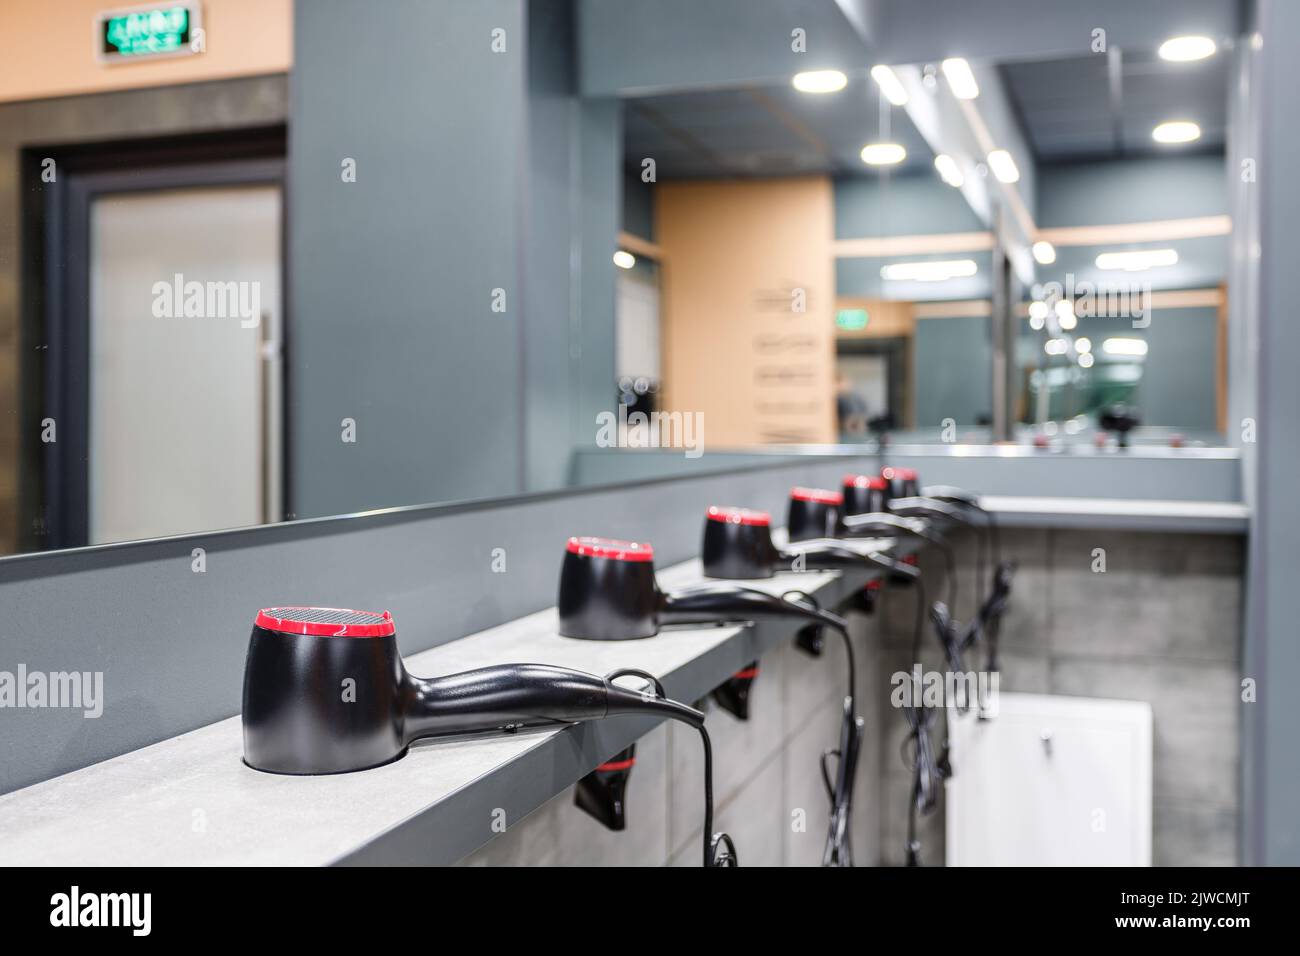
column 325, row 691
column 812, row 513
column 738, row 544
column 1120, row 419
column 608, row 592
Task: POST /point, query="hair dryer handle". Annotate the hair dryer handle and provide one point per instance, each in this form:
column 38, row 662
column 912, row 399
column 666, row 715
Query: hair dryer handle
column 929, row 508
column 952, row 495
column 714, row 603
column 821, row 555
column 506, row 696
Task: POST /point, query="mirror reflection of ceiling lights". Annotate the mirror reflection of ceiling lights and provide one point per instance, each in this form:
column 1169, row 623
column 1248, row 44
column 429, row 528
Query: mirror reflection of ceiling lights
column 948, row 170
column 1004, row 166
column 902, row 85
column 1123, row 346
column 1137, row 260
column 961, row 79
column 889, row 84
column 934, row 270
column 883, row 154
column 1186, row 49
column 1176, row 131
column 820, row 81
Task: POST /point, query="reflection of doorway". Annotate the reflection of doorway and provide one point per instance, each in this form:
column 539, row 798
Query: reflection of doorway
column 877, row 369
column 168, row 404
column 638, row 336
column 184, row 395
column 868, row 377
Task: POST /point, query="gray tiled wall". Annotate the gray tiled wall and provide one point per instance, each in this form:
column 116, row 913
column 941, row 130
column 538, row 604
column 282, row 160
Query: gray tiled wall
column 1161, row 624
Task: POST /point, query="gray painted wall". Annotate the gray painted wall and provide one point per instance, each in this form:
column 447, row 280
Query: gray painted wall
column 951, row 359
column 571, row 183
column 393, row 276
column 912, row 204
column 600, row 149
column 1131, row 190
column 1275, row 546
column 1179, row 369
column 638, row 206
column 918, row 203
column 629, row 46
column 911, row 31
column 1245, row 143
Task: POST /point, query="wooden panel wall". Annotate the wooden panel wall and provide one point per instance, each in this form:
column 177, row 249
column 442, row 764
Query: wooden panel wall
column 748, row 308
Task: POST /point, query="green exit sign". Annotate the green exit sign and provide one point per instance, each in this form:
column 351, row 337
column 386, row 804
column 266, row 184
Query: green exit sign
column 851, row 320
column 146, row 32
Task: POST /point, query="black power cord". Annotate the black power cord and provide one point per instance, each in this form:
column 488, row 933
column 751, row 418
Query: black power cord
column 917, row 748
column 719, row 848
column 839, row 789
column 929, row 771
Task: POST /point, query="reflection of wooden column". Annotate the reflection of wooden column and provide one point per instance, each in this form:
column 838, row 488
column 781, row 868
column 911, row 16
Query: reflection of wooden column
column 749, row 289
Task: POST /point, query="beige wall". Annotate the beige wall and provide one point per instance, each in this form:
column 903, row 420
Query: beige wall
column 244, row 38
column 734, row 348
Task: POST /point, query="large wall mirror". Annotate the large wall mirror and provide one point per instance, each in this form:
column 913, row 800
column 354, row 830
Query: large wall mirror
column 269, row 261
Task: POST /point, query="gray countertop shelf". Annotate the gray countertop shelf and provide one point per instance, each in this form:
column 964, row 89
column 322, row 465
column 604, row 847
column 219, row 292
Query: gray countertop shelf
column 1122, row 514
column 190, row 800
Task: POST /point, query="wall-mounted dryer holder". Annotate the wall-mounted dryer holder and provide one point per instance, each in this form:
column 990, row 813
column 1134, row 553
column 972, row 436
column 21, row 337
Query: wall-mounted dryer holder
column 603, row 792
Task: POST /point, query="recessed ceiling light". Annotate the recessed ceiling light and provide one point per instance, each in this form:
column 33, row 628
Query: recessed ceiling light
column 1137, row 260
column 1085, row 359
column 883, row 154
column 624, row 259
column 1176, row 131
column 1037, row 315
column 960, row 78
column 889, row 84
column 948, row 171
column 1186, row 49
column 1055, row 346
column 1003, row 166
column 1083, row 344
column 932, row 270
column 1044, row 253
column 1124, row 347
column 820, row 81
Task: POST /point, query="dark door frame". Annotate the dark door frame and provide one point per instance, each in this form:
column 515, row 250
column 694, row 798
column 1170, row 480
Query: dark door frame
column 57, row 305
